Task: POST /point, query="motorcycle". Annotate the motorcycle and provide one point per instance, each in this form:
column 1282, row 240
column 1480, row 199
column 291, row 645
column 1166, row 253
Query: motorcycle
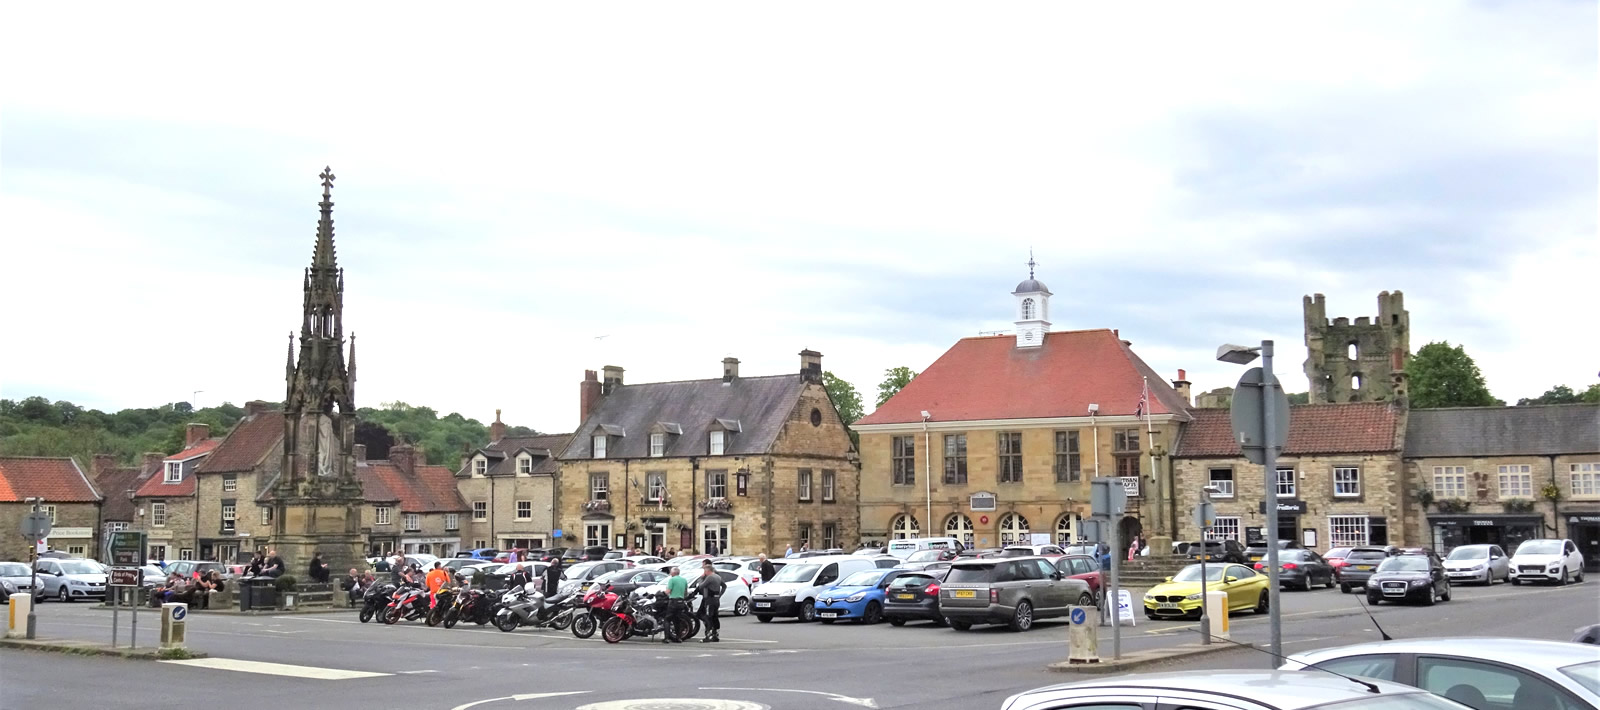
column 643, row 617
column 526, row 606
column 374, row 600
column 597, row 607
column 443, row 601
column 409, row 602
column 470, row 605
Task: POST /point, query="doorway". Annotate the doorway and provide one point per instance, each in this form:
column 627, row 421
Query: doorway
column 656, row 538
column 1587, row 537
column 714, row 537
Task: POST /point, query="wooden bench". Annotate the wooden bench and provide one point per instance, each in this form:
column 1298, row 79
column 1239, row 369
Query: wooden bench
column 317, row 595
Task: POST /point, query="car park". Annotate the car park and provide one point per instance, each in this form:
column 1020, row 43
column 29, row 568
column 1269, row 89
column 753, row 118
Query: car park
column 17, row 577
column 793, row 591
column 1257, row 551
column 1482, row 673
column 748, row 568
column 643, row 560
column 1229, row 690
column 1405, row 578
column 579, row 577
column 1180, row 595
column 1546, row 560
column 482, row 553
column 1336, row 557
column 625, row 581
column 858, row 597
column 1085, row 568
column 190, row 568
column 1218, row 551
column 1300, row 568
column 1032, row 551
column 903, row 548
column 500, row 576
column 1481, row 564
column 914, row 595
column 68, row 579
column 1360, row 564
column 922, row 559
column 735, row 597
column 151, row 576
column 1012, row 591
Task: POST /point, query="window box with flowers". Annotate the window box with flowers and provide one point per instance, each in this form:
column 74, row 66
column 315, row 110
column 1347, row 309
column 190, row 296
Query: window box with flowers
column 1453, row 505
column 1517, row 505
column 597, row 506
column 716, row 506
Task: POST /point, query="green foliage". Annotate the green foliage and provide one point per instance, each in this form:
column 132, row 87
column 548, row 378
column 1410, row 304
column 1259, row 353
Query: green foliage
column 894, row 380
column 1562, row 394
column 37, row 427
column 286, row 583
column 1446, row 376
column 1299, row 398
column 846, row 399
column 442, row 438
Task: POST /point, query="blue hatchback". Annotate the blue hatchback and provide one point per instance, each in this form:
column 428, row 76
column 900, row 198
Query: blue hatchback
column 858, row 597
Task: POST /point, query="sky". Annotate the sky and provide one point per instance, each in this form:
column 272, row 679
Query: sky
column 527, row 191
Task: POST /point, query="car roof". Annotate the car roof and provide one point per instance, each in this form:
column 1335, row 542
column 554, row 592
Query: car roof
column 1286, row 690
column 989, row 561
column 1533, row 653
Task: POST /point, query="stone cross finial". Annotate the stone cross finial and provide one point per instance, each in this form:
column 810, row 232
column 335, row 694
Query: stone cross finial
column 327, row 180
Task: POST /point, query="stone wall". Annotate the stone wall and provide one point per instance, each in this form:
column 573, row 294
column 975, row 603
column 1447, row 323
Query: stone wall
column 177, row 535
column 1483, row 487
column 1383, row 486
column 68, row 515
column 500, row 495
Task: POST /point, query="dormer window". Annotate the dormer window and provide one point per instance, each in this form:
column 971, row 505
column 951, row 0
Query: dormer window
column 717, row 443
column 524, row 465
column 658, row 444
column 174, row 472
column 480, row 466
column 599, row 446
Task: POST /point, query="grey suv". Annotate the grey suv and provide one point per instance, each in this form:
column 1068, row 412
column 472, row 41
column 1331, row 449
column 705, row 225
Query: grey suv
column 1012, row 591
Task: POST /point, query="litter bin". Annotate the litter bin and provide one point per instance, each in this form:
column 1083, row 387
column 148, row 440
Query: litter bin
column 257, row 593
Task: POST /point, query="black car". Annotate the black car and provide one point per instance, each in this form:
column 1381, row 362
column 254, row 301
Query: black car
column 1405, row 578
column 914, row 596
column 1360, row 565
column 1257, row 551
column 1301, row 568
column 623, row 582
column 1219, row 551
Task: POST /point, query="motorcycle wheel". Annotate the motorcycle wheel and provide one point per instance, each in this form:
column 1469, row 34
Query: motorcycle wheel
column 451, row 617
column 562, row 621
column 584, row 626
column 366, row 614
column 391, row 615
column 615, row 631
column 435, row 615
column 688, row 628
column 506, row 621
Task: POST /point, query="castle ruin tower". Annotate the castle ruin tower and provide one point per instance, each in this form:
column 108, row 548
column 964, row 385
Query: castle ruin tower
column 1363, row 361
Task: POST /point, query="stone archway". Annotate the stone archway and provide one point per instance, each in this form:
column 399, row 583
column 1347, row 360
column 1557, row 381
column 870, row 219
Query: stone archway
column 1128, row 529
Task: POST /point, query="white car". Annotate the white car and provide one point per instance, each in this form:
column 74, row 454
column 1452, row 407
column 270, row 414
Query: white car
column 1485, row 564
column 66, row 580
column 735, row 593
column 640, row 560
column 748, row 568
column 1508, row 673
column 1548, row 560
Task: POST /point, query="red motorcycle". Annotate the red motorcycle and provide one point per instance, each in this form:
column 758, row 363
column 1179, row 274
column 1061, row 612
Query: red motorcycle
column 600, row 604
column 410, row 602
column 643, row 618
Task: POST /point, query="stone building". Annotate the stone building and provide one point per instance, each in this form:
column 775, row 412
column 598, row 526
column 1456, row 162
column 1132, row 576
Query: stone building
column 1016, row 426
column 510, row 486
column 1362, row 361
column 166, row 506
column 1339, row 479
column 235, row 475
column 410, row 506
column 1485, row 474
column 117, row 485
column 739, row 465
column 69, row 498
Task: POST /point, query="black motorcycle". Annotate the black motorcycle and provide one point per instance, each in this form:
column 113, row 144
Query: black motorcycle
column 374, row 600
column 470, row 605
column 443, row 601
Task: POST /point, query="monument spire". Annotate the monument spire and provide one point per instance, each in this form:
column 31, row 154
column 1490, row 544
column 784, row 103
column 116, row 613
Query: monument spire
column 324, row 257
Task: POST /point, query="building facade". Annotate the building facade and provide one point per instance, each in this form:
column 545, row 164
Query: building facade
column 997, row 440
column 410, row 506
column 166, row 506
column 735, row 465
column 509, row 486
column 67, row 496
column 233, row 520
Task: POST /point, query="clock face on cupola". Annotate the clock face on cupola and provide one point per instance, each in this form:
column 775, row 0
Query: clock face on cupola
column 1033, row 310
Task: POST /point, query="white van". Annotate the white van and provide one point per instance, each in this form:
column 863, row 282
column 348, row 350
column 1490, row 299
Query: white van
column 793, row 591
column 903, row 548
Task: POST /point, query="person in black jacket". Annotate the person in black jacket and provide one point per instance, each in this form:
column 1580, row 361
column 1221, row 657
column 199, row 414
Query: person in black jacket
column 552, row 578
column 318, row 570
column 767, row 568
column 711, row 588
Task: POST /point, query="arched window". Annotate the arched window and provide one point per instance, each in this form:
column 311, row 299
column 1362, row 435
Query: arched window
column 1027, row 309
column 1352, row 351
column 959, row 527
column 904, row 527
column 1013, row 530
column 1067, row 529
column 1355, row 382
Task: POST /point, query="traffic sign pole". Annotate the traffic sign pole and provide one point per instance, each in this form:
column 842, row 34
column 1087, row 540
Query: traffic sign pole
column 1269, row 400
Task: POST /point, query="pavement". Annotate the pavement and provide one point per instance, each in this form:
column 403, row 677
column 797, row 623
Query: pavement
column 267, row 661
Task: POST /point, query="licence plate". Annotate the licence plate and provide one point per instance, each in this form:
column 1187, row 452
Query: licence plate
column 1363, row 568
column 763, row 605
column 827, row 614
column 1166, row 605
column 966, row 594
column 905, row 596
column 1255, row 558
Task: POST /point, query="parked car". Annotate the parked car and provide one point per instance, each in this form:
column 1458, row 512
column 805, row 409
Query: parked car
column 858, row 597
column 1256, row 552
column 748, row 568
column 925, row 559
column 735, row 597
column 1218, row 551
column 1083, row 567
column 872, row 550
column 1477, row 563
column 67, row 579
column 1229, row 690
column 624, row 581
column 1012, row 591
column 1404, row 578
column 793, row 591
column 1180, row 594
column 1336, row 557
column 903, row 548
column 1300, row 568
column 579, row 577
column 1360, row 564
column 456, row 564
column 500, row 576
column 1546, row 560
column 422, row 560
column 1483, row 673
column 684, row 562
column 482, row 553
column 151, row 576
column 189, row 568
column 914, row 595
column 1088, row 550
column 1032, row 551
column 643, row 560
column 18, row 578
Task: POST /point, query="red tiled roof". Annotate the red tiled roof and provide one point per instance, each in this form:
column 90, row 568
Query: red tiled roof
column 57, row 480
column 156, row 486
column 431, row 489
column 251, row 439
column 1360, row 427
column 990, row 378
column 200, row 449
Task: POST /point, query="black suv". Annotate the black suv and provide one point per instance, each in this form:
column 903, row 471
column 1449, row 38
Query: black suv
column 1219, row 551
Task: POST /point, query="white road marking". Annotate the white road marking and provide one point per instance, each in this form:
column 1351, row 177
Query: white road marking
column 414, row 672
column 863, row 702
column 524, row 696
column 283, row 669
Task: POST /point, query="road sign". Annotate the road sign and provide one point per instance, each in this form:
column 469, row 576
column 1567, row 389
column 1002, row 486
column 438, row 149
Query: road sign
column 126, row 548
column 1079, row 616
column 36, row 524
column 1205, row 516
column 555, row 533
column 1107, row 497
column 179, row 612
column 1090, row 529
column 1125, row 606
column 125, row 577
column 1247, row 422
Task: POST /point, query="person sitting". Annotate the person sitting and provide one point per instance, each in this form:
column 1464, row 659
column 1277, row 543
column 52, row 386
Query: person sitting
column 351, row 584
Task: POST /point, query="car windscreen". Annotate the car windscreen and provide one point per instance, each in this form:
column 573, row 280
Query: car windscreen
column 864, row 578
column 796, row 573
column 1587, row 675
column 1016, row 552
column 925, row 556
column 1470, row 552
column 1338, row 552
column 1540, row 547
column 1367, row 555
column 80, row 567
column 14, row 569
column 1192, row 574
column 1404, row 564
column 970, row 574
column 911, row 581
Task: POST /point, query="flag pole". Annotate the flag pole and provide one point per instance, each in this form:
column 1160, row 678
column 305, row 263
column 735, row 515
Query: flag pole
column 1149, row 437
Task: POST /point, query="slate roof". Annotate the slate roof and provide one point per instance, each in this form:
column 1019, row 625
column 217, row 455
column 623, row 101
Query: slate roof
column 502, row 454
column 57, row 480
column 989, row 377
column 760, row 404
column 1354, row 428
column 1539, row 430
column 431, row 489
column 118, row 485
column 252, row 438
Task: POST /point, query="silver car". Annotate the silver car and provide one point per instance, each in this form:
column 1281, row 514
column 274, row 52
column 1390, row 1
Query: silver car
column 1483, row 564
column 1483, row 673
column 66, row 580
column 1230, row 690
column 15, row 578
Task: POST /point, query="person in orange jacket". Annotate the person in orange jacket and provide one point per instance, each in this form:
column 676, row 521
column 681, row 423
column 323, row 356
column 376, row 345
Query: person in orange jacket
column 436, row 579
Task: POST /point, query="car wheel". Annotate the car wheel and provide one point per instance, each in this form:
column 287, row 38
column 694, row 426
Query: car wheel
column 959, row 625
column 1330, row 580
column 1578, row 578
column 873, row 614
column 764, row 618
column 1263, row 603
column 1022, row 618
column 1516, row 582
column 1345, row 588
column 1375, row 601
column 62, row 595
column 1086, row 600
column 1446, row 595
column 897, row 622
column 741, row 607
column 940, row 621
column 808, row 612
column 1564, row 581
column 1433, row 596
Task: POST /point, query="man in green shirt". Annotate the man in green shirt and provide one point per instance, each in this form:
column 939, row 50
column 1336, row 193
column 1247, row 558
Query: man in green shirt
column 677, row 598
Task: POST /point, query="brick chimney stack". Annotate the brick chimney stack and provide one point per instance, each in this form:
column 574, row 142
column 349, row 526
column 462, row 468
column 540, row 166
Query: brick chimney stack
column 254, row 407
column 811, row 366
column 151, row 462
column 195, row 433
column 360, row 452
column 730, row 369
column 1182, row 386
column 497, row 430
column 405, row 457
column 103, row 464
column 589, row 394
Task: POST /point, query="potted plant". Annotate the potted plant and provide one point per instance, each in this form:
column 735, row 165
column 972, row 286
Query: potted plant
column 1454, row 505
column 1425, row 496
column 286, row 587
column 1518, row 505
column 1550, row 491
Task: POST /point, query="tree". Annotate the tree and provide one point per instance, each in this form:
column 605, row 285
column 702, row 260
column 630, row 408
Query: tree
column 1299, row 398
column 1592, row 395
column 846, row 400
column 1445, row 376
column 1559, row 394
column 894, row 379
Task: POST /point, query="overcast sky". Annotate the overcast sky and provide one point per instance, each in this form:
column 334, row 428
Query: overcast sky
column 525, row 193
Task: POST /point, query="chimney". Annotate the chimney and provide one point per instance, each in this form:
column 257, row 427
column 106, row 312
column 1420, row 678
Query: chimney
column 730, row 369
column 497, row 430
column 151, row 462
column 195, row 433
column 103, row 464
column 360, row 451
column 254, row 407
column 589, row 394
column 1182, row 385
column 404, row 457
column 810, row 366
column 611, row 380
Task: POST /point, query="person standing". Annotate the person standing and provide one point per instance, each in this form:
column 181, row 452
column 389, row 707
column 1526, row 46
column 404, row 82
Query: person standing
column 677, row 595
column 552, row 578
column 437, row 578
column 767, row 568
column 711, row 588
column 790, row 551
column 397, row 569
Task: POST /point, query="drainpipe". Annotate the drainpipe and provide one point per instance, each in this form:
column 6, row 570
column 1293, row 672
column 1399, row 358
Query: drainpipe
column 694, row 497
column 1555, row 504
column 927, row 472
column 627, row 505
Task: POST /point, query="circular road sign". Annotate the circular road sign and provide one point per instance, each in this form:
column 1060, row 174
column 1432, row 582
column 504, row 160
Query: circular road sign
column 36, row 525
column 1079, row 615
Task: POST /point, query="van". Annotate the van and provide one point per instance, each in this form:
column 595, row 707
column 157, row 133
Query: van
column 903, row 548
column 793, row 591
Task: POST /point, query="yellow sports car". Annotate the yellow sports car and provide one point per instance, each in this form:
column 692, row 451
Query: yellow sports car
column 1179, row 596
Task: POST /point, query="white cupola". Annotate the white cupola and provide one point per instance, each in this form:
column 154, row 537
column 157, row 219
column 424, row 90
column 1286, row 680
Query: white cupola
column 1033, row 310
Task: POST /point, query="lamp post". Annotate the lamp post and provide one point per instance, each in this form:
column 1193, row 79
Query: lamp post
column 1270, row 395
column 1204, row 520
column 33, row 569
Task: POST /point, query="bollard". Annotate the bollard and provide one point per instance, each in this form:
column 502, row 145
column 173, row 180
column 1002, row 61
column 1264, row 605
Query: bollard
column 1083, row 637
column 17, row 615
column 1217, row 614
column 174, row 618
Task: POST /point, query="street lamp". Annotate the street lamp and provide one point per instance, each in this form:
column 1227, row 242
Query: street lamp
column 1244, row 355
column 33, row 589
column 1238, row 354
column 1205, row 551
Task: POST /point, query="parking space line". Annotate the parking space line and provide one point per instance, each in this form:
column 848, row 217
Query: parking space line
column 283, row 669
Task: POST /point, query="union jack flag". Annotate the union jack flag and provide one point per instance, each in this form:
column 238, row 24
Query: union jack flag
column 1144, row 400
